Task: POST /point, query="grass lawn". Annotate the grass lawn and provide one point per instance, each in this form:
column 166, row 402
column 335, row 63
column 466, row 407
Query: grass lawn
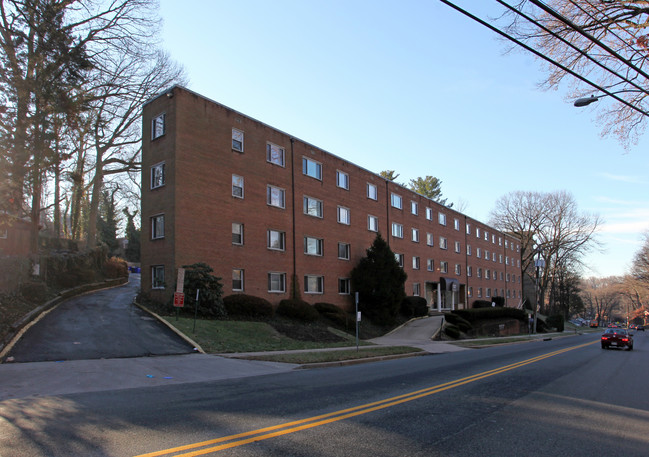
column 336, row 356
column 218, row 336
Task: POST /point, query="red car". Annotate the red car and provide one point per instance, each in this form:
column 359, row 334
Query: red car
column 617, row 338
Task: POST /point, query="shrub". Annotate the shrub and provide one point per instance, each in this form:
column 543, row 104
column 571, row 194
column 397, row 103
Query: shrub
column 452, row 331
column 335, row 314
column 34, row 291
column 210, row 302
column 297, row 309
column 556, row 321
column 458, row 321
column 475, row 314
column 499, row 301
column 414, row 307
column 482, row 304
column 248, row 306
column 115, row 268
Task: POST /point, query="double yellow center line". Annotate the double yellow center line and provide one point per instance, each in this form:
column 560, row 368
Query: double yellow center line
column 227, row 442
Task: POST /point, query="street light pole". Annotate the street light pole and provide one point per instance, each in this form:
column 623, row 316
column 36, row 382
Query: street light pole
column 538, row 263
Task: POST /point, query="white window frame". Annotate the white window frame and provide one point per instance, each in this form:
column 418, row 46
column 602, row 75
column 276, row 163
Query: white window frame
column 343, row 215
column 397, row 230
column 237, row 140
column 372, row 223
column 344, row 251
column 429, row 214
column 372, row 192
column 414, row 207
column 469, row 270
column 468, row 249
column 430, row 239
column 236, row 180
column 157, row 277
column 342, row 180
column 399, row 259
column 458, row 269
column 415, row 262
column 158, row 227
column 416, row 289
column 158, row 175
column 441, row 219
column 430, row 264
column 396, row 201
column 319, row 206
column 280, row 236
column 415, row 235
column 158, row 126
column 311, row 168
column 443, row 243
column 275, row 155
column 344, row 286
column 240, row 279
column 456, row 224
column 279, row 279
column 443, row 266
column 458, row 247
column 240, row 234
column 318, row 287
column 273, row 193
column 313, row 246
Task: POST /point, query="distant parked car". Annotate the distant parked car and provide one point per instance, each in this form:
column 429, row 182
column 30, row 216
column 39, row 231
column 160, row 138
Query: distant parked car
column 639, row 327
column 617, row 338
column 593, row 323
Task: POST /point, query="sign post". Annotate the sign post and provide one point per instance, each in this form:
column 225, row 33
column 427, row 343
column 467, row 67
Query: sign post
column 358, row 319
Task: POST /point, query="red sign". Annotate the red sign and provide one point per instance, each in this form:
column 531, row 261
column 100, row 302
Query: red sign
column 179, row 299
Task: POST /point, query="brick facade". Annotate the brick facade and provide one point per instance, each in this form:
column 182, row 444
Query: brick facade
column 200, row 197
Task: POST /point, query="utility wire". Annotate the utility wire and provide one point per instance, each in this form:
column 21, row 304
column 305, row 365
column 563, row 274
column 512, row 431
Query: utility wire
column 544, row 57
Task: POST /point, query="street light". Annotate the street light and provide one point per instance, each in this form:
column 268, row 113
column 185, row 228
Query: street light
column 585, row 101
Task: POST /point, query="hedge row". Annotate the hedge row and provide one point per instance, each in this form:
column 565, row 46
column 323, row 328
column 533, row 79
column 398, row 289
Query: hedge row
column 476, row 314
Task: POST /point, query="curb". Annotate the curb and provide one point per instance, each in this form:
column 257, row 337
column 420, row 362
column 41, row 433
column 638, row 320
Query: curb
column 171, row 327
column 342, row 363
column 18, row 328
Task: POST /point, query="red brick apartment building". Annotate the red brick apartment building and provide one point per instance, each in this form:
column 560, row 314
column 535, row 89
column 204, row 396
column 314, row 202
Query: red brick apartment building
column 261, row 207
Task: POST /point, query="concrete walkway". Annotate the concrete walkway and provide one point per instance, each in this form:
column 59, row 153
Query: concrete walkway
column 418, row 333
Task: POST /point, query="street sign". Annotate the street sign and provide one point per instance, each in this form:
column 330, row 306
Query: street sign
column 179, row 299
column 180, row 283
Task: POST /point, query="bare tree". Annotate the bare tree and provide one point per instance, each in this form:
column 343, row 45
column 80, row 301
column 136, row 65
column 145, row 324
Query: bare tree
column 601, row 296
column 606, row 42
column 549, row 225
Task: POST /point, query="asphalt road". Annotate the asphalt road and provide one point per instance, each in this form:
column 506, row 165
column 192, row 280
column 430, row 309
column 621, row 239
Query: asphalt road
column 97, row 325
column 548, row 398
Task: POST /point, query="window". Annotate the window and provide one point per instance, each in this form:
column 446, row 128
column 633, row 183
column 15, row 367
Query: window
column 396, row 201
column 399, row 259
column 311, row 168
column 468, row 229
column 342, row 180
column 397, row 230
column 486, row 254
column 237, row 140
column 487, row 273
column 506, row 260
column 415, row 235
column 442, row 219
column 456, row 224
column 313, row 284
column 344, row 286
column 443, row 243
column 416, row 289
column 458, row 247
column 414, row 208
column 4, row 233
column 237, row 233
column 430, row 239
column 443, row 267
column 313, row 246
column 312, row 207
column 237, row 279
column 493, row 239
column 343, row 215
column 275, row 154
column 479, row 292
column 468, row 249
column 470, row 292
column 430, row 265
column 477, row 232
column 276, row 240
column 343, row 251
column 493, row 256
column 500, row 241
column 158, row 175
column 158, row 126
column 500, row 258
column 237, row 186
column 488, row 294
column 478, row 252
column 415, row 263
column 158, row 227
column 372, row 223
column 458, row 269
column 275, row 196
column 469, row 270
column 429, row 214
column 479, row 272
column 371, row 191
column 486, row 236
column 277, row 282
column 157, row 277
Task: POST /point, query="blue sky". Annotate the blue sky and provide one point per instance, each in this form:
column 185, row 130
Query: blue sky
column 415, row 87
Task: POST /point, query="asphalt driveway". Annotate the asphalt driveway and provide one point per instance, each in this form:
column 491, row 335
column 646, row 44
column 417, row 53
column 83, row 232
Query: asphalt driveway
column 98, row 325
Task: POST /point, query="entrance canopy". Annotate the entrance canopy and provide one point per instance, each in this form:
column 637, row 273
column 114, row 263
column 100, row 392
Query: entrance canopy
column 450, row 284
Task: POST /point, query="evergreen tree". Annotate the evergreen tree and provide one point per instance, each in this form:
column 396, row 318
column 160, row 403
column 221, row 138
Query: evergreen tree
column 107, row 222
column 380, row 281
column 132, row 237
